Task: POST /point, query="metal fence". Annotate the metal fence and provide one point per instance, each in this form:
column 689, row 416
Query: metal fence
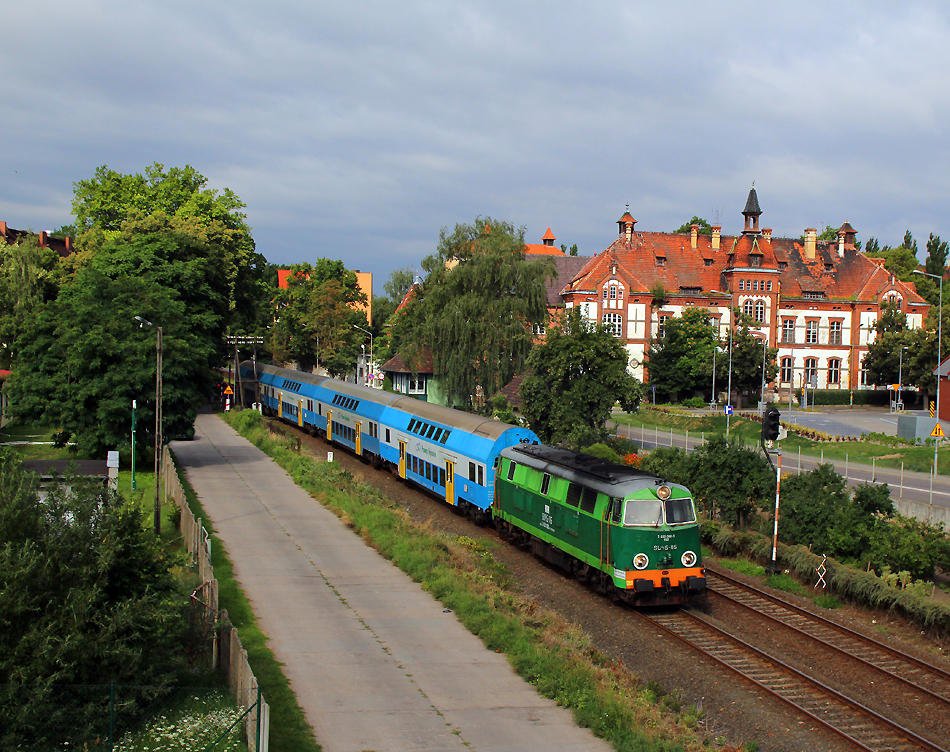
column 118, row 718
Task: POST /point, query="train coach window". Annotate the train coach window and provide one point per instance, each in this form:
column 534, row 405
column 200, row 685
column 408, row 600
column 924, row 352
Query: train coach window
column 511, row 469
column 481, row 476
column 545, row 483
column 589, row 500
column 442, row 477
column 679, row 511
column 388, row 440
column 412, row 424
column 574, row 494
column 445, row 436
column 471, row 471
column 643, row 512
column 438, row 435
column 430, row 432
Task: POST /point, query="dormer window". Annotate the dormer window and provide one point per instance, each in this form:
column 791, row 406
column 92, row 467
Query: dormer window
column 782, row 265
column 661, row 260
column 755, row 261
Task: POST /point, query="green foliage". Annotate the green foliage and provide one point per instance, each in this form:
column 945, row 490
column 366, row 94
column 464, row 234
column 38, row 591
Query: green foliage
column 480, row 301
column 502, row 410
column 693, row 402
column 575, row 377
column 316, row 318
column 29, row 276
column 827, row 601
column 785, row 582
column 105, row 204
column 727, row 480
column 747, row 357
column 86, row 597
column 83, row 358
column 680, row 362
column 872, row 247
column 603, row 452
column 704, row 227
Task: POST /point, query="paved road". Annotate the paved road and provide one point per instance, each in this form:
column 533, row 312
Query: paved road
column 376, row 662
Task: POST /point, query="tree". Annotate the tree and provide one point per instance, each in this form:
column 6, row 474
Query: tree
column 317, row 318
column 883, row 361
column 572, row 252
column 747, row 361
column 679, row 361
column 872, row 247
column 105, row 203
column 29, row 276
column 86, row 598
column 704, row 227
column 574, row 379
column 482, row 299
column 82, row 358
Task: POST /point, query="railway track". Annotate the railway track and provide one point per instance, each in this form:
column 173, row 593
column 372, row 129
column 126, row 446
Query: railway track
column 856, row 723
column 918, row 675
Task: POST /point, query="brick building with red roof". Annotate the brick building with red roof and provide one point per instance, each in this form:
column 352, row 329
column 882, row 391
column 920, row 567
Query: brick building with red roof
column 816, row 301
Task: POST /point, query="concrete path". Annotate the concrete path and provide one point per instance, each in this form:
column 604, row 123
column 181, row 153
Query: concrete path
column 376, row 662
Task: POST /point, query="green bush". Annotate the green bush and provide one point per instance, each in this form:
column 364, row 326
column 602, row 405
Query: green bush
column 604, row 452
column 693, row 402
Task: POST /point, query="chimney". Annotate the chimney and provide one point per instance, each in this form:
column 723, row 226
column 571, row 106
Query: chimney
column 3, row 229
column 693, row 232
column 767, row 233
column 716, row 229
column 841, row 236
column 811, row 237
column 42, row 238
column 69, row 245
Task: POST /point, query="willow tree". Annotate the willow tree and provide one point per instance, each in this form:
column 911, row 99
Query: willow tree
column 483, row 300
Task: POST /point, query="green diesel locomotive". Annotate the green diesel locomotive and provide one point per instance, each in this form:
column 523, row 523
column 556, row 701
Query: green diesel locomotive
column 629, row 533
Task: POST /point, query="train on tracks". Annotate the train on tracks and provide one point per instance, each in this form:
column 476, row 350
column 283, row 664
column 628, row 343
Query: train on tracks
column 630, row 534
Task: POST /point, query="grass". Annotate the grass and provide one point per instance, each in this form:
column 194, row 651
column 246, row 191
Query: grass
column 553, row 655
column 195, row 721
column 742, row 566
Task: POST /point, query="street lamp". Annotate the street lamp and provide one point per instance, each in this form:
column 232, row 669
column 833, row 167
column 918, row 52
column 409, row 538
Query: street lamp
column 939, row 338
column 732, row 315
column 713, row 402
column 365, row 378
column 158, row 418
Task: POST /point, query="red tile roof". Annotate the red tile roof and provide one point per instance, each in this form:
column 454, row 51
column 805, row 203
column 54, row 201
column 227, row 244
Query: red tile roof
column 852, row 276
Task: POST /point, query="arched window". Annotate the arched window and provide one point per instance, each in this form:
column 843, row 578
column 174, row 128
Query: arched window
column 834, row 370
column 811, row 371
column 748, row 308
column 742, row 284
column 759, row 311
column 614, row 323
column 786, row 375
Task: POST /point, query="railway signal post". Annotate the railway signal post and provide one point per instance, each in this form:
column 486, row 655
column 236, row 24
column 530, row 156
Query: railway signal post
column 772, row 431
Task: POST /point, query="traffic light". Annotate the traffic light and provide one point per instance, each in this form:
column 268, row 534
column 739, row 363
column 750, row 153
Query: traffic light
column 771, row 424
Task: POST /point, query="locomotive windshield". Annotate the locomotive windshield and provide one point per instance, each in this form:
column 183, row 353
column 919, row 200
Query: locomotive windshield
column 649, row 512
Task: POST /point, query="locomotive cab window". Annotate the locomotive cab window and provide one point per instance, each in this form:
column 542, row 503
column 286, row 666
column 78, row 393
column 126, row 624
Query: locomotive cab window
column 545, row 484
column 511, row 469
column 679, row 511
column 643, row 512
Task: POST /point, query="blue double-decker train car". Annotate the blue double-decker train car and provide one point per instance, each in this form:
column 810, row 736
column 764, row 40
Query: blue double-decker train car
column 451, row 453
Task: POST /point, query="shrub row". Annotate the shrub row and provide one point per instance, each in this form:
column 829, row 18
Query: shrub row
column 857, row 586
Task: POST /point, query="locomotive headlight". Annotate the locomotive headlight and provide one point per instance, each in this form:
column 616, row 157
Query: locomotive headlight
column 688, row 558
column 663, row 492
column 640, row 561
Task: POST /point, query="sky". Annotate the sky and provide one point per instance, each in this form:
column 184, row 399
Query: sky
column 358, row 130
